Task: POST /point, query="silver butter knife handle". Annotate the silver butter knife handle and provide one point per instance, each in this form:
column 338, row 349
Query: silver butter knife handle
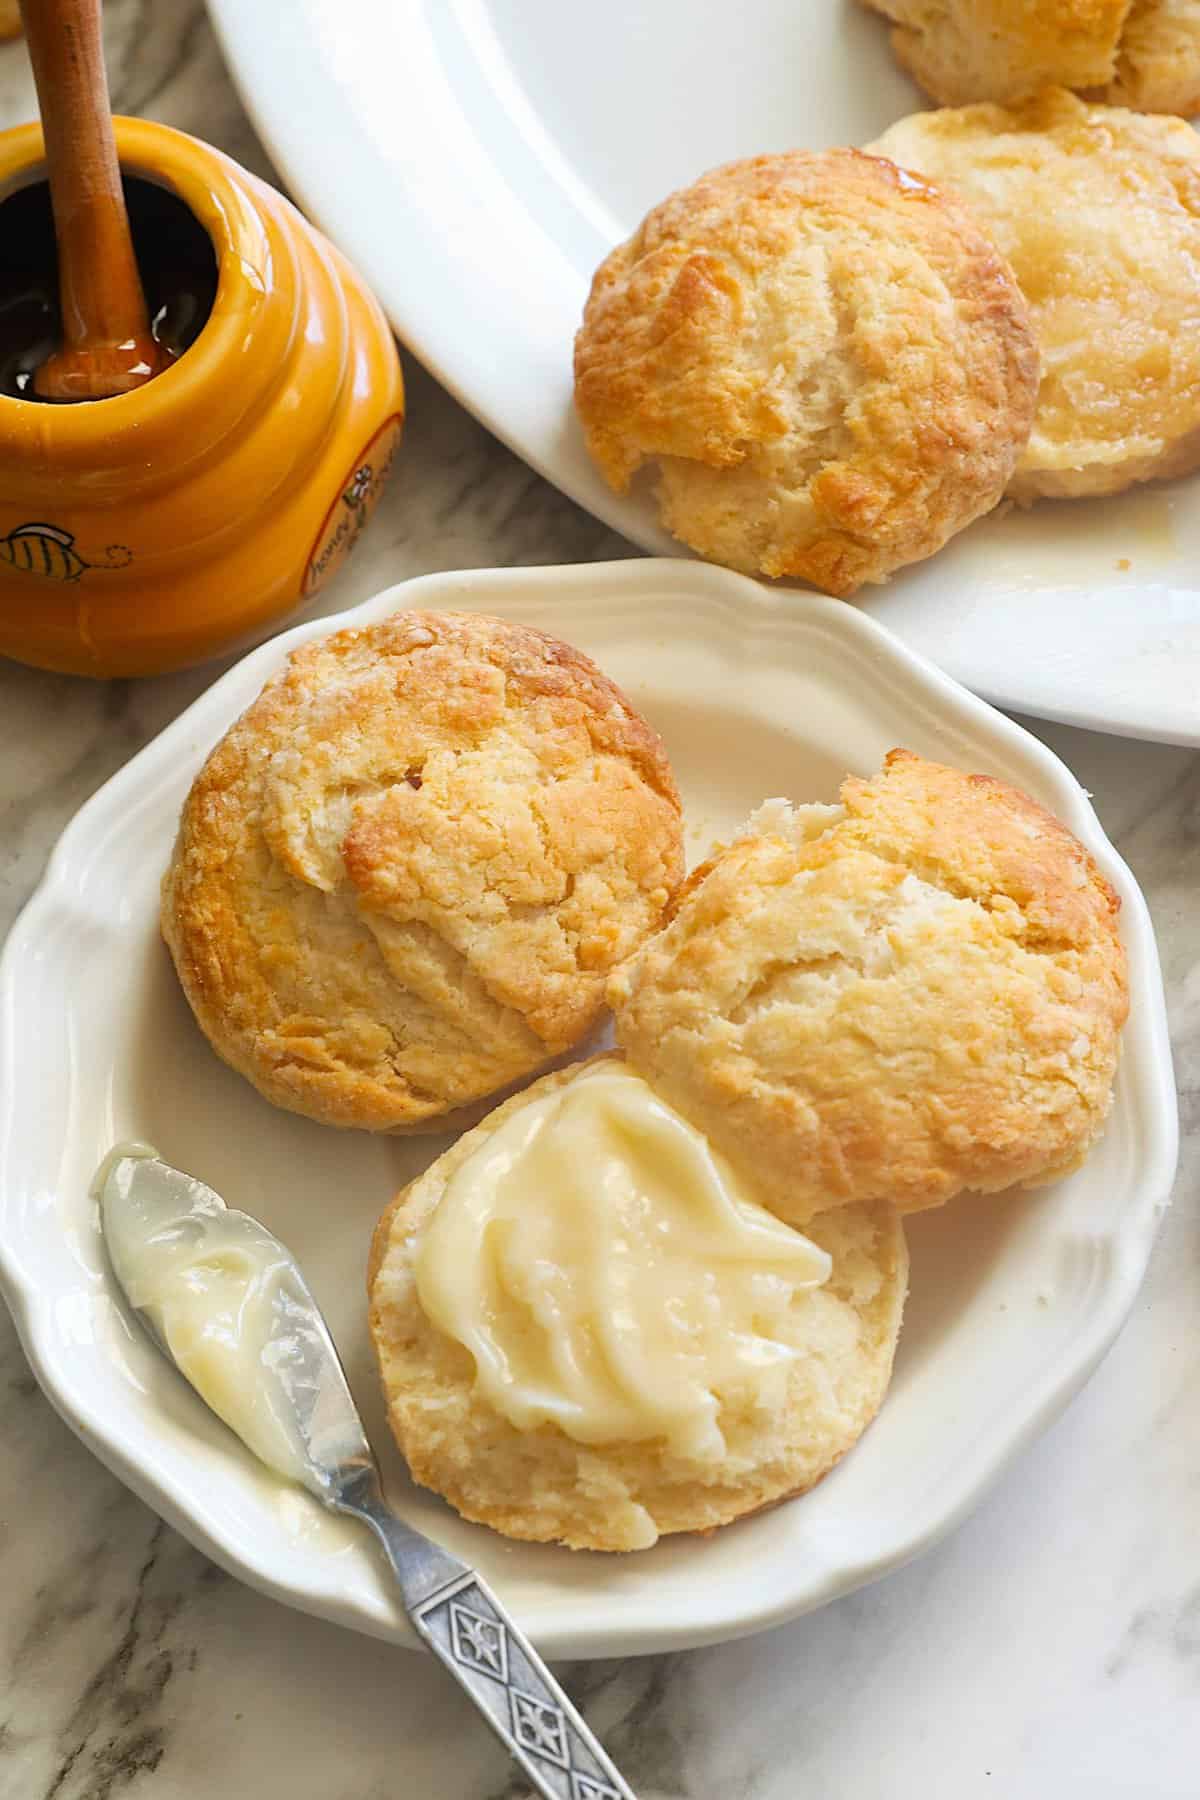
column 460, row 1619
column 469, row 1631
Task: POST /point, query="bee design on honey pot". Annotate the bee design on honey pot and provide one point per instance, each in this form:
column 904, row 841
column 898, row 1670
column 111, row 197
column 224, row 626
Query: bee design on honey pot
column 359, row 490
column 49, row 551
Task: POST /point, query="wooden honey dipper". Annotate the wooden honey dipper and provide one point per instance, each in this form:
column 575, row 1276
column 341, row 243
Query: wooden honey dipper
column 108, row 347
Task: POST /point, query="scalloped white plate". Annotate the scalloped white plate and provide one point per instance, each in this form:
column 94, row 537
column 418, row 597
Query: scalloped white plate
column 478, row 158
column 1012, row 1303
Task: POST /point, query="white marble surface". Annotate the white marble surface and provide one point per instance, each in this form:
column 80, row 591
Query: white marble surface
column 1049, row 1650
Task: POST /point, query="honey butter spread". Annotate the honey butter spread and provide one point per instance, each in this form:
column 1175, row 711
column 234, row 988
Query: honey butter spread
column 610, row 1273
column 220, row 1292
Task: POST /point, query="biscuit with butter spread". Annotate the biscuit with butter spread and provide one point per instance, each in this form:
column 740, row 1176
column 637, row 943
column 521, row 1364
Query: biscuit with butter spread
column 590, row 1332
column 912, row 994
column 403, row 876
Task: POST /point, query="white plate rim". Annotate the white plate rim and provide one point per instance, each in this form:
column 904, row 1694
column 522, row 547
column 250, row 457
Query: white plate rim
column 1147, row 1059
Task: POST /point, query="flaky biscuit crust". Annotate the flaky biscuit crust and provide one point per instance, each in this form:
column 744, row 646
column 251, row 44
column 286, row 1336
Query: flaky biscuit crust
column 1145, row 55
column 1098, row 210
column 924, row 997
column 402, row 877
column 827, row 362
column 964, row 50
column 543, row 1486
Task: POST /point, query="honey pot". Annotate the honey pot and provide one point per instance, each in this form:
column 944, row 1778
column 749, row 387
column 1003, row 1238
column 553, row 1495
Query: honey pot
column 153, row 529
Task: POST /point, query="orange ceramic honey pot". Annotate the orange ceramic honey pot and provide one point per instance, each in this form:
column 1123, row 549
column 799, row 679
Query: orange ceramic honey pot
column 152, row 530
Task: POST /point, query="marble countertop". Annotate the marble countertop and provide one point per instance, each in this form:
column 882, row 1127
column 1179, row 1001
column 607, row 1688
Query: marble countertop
column 1050, row 1649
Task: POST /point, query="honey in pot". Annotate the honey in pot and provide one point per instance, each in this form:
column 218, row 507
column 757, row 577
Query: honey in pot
column 159, row 527
column 175, row 261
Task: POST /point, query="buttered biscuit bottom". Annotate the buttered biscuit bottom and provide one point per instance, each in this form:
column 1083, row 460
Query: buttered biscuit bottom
column 912, row 994
column 591, row 1332
column 1098, row 211
column 402, row 877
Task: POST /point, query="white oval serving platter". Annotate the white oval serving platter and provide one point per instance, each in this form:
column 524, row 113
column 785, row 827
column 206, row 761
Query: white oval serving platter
column 1012, row 1303
column 478, row 158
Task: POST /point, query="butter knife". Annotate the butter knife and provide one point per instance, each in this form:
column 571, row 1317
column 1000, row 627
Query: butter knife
column 303, row 1421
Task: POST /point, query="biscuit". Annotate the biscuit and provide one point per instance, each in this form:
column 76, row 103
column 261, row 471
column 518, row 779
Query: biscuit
column 1158, row 59
column 1098, row 211
column 964, row 50
column 916, row 994
column 1145, row 55
column 541, row 1484
column 827, row 363
column 402, row 877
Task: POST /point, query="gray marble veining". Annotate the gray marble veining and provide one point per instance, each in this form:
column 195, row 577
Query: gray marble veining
column 1050, row 1649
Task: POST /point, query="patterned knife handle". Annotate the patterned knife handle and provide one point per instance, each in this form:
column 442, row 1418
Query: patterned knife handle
column 469, row 1631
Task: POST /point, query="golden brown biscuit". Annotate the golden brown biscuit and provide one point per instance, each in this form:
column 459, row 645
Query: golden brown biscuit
column 541, row 1484
column 919, row 997
column 402, row 877
column 826, row 361
column 1145, row 55
column 964, row 50
column 1098, row 210
column 1158, row 59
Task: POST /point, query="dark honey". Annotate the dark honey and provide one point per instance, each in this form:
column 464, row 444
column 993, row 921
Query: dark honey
column 175, row 258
